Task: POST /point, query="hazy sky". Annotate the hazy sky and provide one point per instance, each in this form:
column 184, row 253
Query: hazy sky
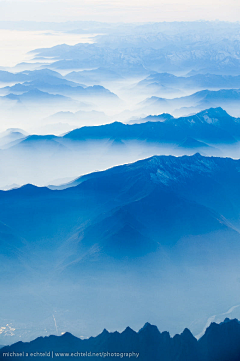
column 115, row 10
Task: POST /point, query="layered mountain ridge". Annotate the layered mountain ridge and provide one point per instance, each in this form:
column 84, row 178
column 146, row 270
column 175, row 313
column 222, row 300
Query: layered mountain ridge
column 212, row 125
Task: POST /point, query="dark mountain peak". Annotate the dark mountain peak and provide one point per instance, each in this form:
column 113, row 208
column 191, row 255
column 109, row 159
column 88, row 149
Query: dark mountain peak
column 128, row 332
column 185, row 338
column 105, row 332
column 102, row 336
column 28, row 186
column 147, row 325
column 187, row 334
column 149, row 329
column 233, row 321
column 227, row 320
column 198, row 156
column 67, row 335
column 29, row 190
column 227, row 325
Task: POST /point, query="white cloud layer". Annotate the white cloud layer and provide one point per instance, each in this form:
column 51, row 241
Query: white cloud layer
column 115, row 10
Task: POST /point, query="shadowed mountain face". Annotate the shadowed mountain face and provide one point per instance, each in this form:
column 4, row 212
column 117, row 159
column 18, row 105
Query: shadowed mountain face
column 130, row 210
column 221, row 342
column 154, row 201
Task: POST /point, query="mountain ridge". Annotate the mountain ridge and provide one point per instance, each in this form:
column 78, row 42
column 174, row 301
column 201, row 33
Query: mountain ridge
column 214, row 126
column 196, row 102
column 148, row 343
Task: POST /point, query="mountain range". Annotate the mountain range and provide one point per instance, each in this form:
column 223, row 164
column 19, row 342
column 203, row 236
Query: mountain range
column 62, row 87
column 37, row 96
column 54, row 92
column 121, row 209
column 95, row 76
column 89, row 148
column 137, row 241
column 226, row 98
column 163, row 81
column 215, row 126
column 11, row 135
column 176, row 47
column 31, row 75
column 219, row 343
column 132, row 210
column 212, row 125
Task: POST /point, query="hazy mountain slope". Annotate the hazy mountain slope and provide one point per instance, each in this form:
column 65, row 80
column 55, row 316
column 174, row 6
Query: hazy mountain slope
column 199, row 81
column 225, row 98
column 193, row 143
column 35, row 96
column 28, row 75
column 145, row 231
column 7, row 77
column 10, row 136
column 95, row 76
column 62, row 88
